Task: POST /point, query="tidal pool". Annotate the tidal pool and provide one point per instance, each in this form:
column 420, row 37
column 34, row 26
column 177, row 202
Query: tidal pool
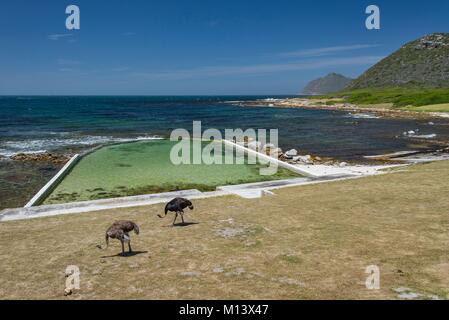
column 144, row 167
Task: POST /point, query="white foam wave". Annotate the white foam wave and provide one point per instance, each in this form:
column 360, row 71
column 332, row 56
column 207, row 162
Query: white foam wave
column 425, row 136
column 415, row 134
column 10, row 148
column 363, row 116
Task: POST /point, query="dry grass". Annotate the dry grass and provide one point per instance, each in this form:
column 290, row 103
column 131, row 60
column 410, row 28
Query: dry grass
column 386, row 106
column 444, row 107
column 303, row 243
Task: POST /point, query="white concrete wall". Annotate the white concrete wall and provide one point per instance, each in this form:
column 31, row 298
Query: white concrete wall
column 53, row 182
column 277, row 162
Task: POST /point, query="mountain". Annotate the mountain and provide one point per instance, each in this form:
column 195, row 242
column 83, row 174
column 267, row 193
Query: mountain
column 333, row 82
column 420, row 63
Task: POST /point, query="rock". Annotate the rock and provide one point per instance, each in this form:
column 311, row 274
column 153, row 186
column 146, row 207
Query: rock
column 305, row 159
column 283, row 157
column 67, row 291
column 343, row 164
column 275, row 153
column 406, row 293
column 41, row 157
column 409, row 295
column 431, row 123
column 401, row 289
column 266, row 148
column 255, row 145
column 291, row 153
column 318, row 158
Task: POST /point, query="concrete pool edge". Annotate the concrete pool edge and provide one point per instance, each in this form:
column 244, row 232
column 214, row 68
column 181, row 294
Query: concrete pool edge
column 61, row 174
column 49, row 187
column 45, row 192
column 247, row 191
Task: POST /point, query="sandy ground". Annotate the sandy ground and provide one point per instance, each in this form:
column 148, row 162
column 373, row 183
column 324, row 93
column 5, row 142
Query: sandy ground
column 309, row 242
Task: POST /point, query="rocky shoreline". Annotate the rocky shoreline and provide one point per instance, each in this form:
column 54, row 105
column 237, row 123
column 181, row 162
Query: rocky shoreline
column 337, row 105
column 53, row 158
column 293, row 156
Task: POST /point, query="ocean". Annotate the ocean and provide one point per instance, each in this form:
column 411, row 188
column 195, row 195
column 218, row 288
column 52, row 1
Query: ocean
column 38, row 124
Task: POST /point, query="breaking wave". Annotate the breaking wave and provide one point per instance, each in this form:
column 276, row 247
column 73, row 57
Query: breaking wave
column 12, row 147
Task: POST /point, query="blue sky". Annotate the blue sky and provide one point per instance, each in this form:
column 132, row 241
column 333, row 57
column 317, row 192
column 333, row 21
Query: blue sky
column 199, row 47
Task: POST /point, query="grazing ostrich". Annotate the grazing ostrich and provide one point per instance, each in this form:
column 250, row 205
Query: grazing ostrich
column 177, row 205
column 119, row 230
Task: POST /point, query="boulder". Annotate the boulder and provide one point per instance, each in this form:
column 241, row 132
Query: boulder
column 268, row 146
column 291, row 153
column 305, row 159
column 275, row 153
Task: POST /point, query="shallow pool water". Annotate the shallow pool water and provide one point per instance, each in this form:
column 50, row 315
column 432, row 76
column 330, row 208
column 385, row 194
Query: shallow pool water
column 144, row 167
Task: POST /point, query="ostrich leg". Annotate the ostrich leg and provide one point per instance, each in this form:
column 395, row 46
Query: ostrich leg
column 182, row 217
column 129, row 246
column 123, row 246
column 176, row 216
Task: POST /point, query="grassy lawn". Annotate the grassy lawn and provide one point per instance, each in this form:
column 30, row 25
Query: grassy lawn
column 302, row 243
column 443, row 107
column 399, row 98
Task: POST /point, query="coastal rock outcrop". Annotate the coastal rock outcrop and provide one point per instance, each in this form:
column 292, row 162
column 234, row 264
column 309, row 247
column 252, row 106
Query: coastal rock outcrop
column 41, row 157
column 333, row 82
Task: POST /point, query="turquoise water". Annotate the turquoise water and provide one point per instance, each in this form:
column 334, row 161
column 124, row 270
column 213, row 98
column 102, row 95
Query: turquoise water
column 145, row 167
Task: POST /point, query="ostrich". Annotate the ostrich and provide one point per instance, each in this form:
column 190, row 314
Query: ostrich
column 119, row 230
column 177, row 205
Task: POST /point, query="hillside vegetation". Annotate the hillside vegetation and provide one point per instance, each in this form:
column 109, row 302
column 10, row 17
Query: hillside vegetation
column 420, row 63
column 398, row 97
